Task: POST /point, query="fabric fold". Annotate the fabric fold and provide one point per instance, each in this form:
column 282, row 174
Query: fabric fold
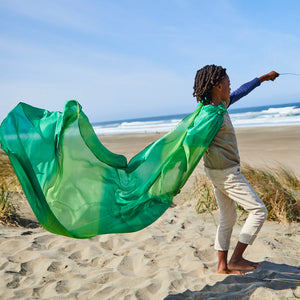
column 78, row 188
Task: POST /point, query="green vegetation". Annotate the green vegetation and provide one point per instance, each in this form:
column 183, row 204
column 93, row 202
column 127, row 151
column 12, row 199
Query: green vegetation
column 8, row 183
column 8, row 178
column 8, row 214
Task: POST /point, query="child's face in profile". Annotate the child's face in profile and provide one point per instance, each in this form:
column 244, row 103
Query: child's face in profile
column 225, row 89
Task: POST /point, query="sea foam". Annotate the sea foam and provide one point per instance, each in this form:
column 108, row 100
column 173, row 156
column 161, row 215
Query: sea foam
column 277, row 115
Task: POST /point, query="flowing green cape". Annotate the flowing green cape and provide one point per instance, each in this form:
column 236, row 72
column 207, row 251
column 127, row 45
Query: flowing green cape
column 78, row 188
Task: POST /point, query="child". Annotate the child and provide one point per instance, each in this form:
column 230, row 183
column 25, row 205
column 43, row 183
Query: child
column 222, row 166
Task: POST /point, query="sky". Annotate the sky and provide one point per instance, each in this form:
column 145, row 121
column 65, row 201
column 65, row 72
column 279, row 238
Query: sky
column 132, row 59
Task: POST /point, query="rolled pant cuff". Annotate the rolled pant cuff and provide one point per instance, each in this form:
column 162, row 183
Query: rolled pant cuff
column 247, row 238
column 219, row 249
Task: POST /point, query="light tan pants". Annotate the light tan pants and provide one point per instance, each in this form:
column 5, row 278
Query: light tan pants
column 230, row 186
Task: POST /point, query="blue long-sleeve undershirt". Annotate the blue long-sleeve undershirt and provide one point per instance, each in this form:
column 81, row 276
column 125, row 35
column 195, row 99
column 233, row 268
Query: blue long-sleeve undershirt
column 244, row 90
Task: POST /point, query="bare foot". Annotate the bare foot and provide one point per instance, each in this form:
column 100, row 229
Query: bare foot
column 231, row 272
column 242, row 264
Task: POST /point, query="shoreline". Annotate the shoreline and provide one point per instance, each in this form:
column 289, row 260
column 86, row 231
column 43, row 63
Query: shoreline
column 261, row 146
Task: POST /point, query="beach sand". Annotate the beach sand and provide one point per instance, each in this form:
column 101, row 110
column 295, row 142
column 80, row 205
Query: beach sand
column 173, row 258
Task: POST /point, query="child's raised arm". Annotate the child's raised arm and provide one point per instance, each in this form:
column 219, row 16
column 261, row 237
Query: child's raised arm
column 246, row 88
column 269, row 76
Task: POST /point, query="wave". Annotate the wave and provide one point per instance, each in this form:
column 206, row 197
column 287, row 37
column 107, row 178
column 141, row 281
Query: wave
column 283, row 116
column 137, row 127
column 241, row 118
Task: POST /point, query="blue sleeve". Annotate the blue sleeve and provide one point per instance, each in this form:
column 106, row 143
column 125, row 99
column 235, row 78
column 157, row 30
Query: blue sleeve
column 244, row 90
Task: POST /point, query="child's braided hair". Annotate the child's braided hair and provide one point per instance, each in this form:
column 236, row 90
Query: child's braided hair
column 205, row 79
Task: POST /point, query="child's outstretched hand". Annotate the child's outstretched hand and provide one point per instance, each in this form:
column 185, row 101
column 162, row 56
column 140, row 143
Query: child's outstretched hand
column 269, row 76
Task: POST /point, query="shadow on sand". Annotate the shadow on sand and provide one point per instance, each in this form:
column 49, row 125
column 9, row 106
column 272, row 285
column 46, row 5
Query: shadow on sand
column 269, row 275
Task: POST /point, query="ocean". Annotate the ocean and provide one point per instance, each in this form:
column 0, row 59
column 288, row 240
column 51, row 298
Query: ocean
column 261, row 116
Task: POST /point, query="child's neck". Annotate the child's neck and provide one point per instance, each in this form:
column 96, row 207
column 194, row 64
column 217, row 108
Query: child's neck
column 216, row 101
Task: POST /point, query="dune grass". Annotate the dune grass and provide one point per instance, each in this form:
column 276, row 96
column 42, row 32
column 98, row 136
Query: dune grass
column 8, row 183
column 8, row 178
column 8, row 213
column 278, row 188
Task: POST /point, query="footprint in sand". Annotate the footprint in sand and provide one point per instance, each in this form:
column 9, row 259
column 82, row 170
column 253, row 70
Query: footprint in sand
column 175, row 238
column 46, row 282
column 175, row 284
column 55, row 267
column 75, row 255
column 44, row 242
column 142, row 294
column 135, row 264
column 126, row 266
column 26, row 269
column 107, row 245
column 36, row 292
column 106, row 277
column 112, row 244
column 153, row 287
column 205, row 255
column 62, row 287
column 14, row 283
column 12, row 245
column 35, row 245
column 24, row 255
column 94, row 262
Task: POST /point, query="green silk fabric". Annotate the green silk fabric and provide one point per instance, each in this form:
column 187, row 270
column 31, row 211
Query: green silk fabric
column 78, row 188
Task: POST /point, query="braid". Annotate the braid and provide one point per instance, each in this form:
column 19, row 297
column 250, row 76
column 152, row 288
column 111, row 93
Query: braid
column 205, row 79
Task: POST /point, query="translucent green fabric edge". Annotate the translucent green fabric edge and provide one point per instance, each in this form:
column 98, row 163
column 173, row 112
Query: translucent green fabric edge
column 78, row 188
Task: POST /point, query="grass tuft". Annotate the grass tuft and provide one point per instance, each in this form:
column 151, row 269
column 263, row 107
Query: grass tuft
column 8, row 177
column 8, row 184
column 8, row 213
column 279, row 189
column 203, row 192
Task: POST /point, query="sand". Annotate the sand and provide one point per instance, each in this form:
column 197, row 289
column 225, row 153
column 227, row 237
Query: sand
column 266, row 147
column 171, row 259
